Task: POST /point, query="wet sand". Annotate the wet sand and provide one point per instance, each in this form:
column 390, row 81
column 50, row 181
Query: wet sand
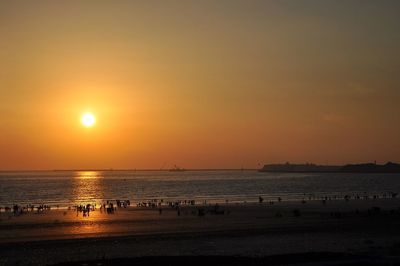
column 358, row 227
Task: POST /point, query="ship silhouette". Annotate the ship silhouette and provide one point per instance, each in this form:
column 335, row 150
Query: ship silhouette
column 177, row 169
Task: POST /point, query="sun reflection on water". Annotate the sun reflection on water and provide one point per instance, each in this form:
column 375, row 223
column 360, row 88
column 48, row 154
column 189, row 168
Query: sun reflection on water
column 88, row 174
column 88, row 187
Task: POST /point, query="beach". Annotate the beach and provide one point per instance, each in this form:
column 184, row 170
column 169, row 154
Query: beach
column 358, row 227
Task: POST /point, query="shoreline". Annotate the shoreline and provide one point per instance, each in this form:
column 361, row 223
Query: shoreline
column 203, row 201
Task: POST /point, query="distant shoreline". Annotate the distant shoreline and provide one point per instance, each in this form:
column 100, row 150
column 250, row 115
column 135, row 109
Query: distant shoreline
column 388, row 168
column 364, row 168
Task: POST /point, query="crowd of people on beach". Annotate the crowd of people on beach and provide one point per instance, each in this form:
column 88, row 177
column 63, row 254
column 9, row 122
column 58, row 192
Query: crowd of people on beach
column 17, row 209
column 108, row 207
column 85, row 209
column 347, row 197
column 177, row 205
column 200, row 209
column 325, row 198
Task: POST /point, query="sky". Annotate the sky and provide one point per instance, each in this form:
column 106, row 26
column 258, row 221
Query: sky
column 198, row 84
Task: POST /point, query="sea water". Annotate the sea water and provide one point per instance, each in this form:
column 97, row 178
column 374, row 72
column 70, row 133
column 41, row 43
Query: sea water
column 68, row 188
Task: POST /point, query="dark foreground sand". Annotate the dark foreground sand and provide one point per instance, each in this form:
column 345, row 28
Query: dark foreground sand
column 355, row 232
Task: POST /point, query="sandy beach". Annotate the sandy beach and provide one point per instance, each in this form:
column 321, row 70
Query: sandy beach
column 358, row 227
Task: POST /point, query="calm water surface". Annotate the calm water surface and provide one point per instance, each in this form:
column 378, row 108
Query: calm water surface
column 69, row 188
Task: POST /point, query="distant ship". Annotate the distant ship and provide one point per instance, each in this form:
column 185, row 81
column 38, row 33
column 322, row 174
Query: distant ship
column 177, row 169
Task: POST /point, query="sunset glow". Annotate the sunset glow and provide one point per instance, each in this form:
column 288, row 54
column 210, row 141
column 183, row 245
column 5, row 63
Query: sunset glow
column 220, row 84
column 216, row 132
column 88, row 120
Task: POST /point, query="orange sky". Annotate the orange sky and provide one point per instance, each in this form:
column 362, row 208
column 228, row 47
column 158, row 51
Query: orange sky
column 199, row 84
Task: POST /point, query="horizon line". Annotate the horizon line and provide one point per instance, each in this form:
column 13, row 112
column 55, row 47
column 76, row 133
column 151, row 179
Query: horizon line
column 133, row 170
column 179, row 169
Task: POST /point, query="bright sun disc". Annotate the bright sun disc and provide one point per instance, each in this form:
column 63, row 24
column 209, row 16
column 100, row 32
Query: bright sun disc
column 88, row 120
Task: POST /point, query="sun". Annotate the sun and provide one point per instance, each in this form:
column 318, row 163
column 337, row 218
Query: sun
column 88, row 120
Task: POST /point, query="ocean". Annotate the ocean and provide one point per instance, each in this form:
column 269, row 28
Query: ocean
column 68, row 188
